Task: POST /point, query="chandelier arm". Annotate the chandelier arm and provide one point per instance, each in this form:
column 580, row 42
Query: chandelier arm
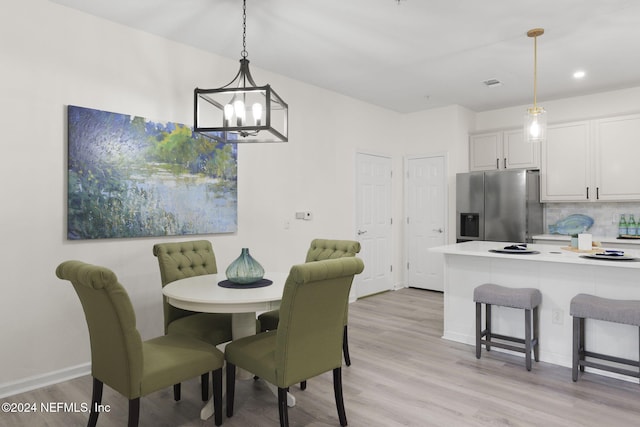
column 233, row 80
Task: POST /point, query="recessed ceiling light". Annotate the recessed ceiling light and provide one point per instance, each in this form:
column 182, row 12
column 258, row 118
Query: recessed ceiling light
column 579, row 74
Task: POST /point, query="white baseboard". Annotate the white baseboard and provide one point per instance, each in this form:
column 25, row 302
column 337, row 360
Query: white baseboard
column 38, row 381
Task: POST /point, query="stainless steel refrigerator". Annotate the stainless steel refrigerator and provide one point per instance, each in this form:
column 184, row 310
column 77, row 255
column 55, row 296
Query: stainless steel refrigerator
column 501, row 206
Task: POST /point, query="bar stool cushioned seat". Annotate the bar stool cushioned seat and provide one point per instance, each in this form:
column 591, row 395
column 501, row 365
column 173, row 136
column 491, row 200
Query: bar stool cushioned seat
column 584, row 306
column 527, row 299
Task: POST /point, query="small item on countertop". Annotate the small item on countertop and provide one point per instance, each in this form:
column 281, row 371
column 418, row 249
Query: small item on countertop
column 574, row 241
column 631, row 226
column 611, row 252
column 573, row 224
column 596, row 244
column 584, row 241
column 622, row 226
column 517, row 247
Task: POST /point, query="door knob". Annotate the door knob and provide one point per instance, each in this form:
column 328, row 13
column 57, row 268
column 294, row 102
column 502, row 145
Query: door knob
column 439, row 230
column 360, row 232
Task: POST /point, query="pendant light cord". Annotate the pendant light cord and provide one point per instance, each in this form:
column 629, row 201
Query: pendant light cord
column 535, row 72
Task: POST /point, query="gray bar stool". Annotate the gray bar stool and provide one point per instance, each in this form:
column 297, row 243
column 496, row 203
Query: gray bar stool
column 527, row 299
column 584, row 306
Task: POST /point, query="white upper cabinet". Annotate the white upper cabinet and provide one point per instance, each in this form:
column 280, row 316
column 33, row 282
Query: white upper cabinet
column 589, row 161
column 617, row 158
column 518, row 153
column 485, row 151
column 565, row 165
column 502, row 150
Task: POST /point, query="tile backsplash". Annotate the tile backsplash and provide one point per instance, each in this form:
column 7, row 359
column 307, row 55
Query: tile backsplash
column 601, row 212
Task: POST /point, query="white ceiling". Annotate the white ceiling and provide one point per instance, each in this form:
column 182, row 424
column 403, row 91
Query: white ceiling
column 410, row 55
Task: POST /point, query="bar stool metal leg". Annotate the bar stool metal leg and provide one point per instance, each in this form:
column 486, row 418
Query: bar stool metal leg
column 487, row 315
column 527, row 338
column 478, row 329
column 577, row 333
column 536, row 326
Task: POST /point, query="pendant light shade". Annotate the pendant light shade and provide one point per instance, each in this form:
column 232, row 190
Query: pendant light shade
column 535, row 123
column 241, row 111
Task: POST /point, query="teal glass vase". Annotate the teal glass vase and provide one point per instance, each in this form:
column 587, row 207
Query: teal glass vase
column 245, row 269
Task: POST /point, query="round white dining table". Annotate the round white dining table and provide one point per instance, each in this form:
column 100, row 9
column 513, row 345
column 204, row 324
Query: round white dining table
column 203, row 294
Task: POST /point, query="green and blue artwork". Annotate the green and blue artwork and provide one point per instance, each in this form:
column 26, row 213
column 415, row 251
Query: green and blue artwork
column 133, row 177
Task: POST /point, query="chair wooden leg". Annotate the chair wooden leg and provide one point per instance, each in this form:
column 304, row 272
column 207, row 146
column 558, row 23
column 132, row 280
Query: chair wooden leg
column 337, row 389
column 96, row 400
column 205, row 386
column 283, row 410
column 176, row 392
column 217, row 395
column 231, row 387
column 345, row 347
column 134, row 412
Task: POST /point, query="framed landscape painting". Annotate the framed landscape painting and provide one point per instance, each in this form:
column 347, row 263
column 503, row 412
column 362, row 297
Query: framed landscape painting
column 133, row 177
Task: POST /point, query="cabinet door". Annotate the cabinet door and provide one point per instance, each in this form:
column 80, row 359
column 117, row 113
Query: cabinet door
column 518, row 153
column 565, row 164
column 617, row 155
column 485, row 151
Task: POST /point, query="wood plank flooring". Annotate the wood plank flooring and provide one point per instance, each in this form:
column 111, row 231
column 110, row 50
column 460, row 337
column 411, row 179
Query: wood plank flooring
column 402, row 374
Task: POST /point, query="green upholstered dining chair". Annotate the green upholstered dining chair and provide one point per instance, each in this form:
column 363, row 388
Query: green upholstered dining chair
column 119, row 357
column 320, row 249
column 308, row 340
column 179, row 260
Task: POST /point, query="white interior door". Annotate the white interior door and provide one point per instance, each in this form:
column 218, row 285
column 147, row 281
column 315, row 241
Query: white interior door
column 373, row 222
column 426, row 184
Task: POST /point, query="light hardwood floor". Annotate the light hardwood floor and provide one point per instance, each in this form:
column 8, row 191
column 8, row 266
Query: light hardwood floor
column 402, row 374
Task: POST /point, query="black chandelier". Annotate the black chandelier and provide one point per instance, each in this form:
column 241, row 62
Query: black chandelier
column 241, row 111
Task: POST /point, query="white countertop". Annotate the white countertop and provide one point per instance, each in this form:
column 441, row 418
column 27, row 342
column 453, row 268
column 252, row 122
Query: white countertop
column 603, row 240
column 548, row 253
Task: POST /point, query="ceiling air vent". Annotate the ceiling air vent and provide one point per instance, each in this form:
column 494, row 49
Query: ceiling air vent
column 492, row 83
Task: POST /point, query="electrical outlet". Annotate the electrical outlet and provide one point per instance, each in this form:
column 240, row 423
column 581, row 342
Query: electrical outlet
column 557, row 316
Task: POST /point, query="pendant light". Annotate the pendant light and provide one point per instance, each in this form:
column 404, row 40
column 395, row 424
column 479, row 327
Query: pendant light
column 241, row 111
column 535, row 124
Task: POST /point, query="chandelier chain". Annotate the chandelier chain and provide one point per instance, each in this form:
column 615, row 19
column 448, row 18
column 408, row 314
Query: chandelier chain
column 244, row 52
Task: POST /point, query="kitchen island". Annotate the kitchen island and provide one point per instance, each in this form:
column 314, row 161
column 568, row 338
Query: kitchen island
column 560, row 275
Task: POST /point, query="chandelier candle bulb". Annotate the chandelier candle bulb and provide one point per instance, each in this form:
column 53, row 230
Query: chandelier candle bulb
column 257, row 113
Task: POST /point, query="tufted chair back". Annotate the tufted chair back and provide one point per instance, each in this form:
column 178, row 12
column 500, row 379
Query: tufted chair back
column 179, row 260
column 116, row 346
column 322, row 249
column 314, row 301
